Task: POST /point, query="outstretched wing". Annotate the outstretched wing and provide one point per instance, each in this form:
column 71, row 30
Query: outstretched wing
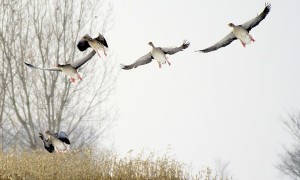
column 79, row 62
column 141, row 61
column 222, row 43
column 63, row 137
column 48, row 146
column 171, row 51
column 255, row 21
column 101, row 40
column 48, row 69
column 83, row 45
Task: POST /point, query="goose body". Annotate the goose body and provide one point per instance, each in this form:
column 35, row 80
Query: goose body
column 240, row 32
column 58, row 144
column 68, row 69
column 55, row 141
column 157, row 53
column 98, row 44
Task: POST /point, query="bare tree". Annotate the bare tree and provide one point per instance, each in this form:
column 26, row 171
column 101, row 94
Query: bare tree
column 45, row 32
column 290, row 160
column 3, row 88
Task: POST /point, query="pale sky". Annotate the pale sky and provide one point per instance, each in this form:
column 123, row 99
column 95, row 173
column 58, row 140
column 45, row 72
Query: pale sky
column 229, row 103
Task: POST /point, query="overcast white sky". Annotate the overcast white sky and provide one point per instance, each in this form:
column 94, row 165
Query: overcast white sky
column 228, row 103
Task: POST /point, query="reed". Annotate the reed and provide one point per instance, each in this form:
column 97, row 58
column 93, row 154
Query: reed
column 86, row 164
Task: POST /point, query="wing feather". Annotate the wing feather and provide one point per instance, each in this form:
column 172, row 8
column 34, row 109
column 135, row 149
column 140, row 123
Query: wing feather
column 63, row 137
column 222, row 43
column 171, row 51
column 76, row 64
column 255, row 21
column 48, row 146
column 47, row 69
column 101, row 40
column 83, row 45
column 141, row 61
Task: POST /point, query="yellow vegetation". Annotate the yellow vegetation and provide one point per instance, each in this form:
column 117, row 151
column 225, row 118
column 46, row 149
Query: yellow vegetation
column 86, row 165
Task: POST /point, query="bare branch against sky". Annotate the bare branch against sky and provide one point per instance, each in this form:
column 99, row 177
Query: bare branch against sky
column 290, row 159
column 46, row 33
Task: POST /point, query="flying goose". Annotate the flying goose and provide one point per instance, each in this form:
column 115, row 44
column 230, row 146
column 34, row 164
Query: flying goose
column 69, row 69
column 158, row 54
column 98, row 44
column 55, row 141
column 240, row 32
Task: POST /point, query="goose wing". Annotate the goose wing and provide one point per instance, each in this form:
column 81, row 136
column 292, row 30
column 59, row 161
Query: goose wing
column 79, row 62
column 47, row 69
column 255, row 21
column 48, row 146
column 222, row 43
column 83, row 45
column 174, row 50
column 101, row 40
column 141, row 61
column 62, row 136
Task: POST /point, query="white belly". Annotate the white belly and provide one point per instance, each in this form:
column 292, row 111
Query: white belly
column 60, row 146
column 96, row 45
column 159, row 56
column 242, row 34
column 69, row 71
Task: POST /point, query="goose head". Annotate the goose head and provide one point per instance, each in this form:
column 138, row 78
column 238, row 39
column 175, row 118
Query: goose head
column 151, row 44
column 87, row 37
column 48, row 134
column 231, row 25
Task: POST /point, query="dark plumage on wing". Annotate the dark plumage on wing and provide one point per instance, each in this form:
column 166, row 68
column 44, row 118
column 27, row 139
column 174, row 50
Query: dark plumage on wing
column 83, row 45
column 47, row 145
column 55, row 141
column 157, row 53
column 240, row 32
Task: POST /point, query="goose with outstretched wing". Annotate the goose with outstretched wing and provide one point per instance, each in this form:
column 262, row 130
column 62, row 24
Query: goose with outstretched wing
column 98, row 44
column 158, row 54
column 55, row 141
column 240, row 32
column 69, row 69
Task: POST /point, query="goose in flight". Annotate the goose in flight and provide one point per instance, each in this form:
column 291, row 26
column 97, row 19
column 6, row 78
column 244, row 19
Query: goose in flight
column 98, row 44
column 68, row 69
column 158, row 54
column 55, row 141
column 240, row 32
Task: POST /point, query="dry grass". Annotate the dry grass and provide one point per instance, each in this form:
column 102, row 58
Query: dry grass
column 87, row 165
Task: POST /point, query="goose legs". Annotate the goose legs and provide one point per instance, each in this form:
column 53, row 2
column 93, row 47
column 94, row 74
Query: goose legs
column 79, row 77
column 251, row 38
column 98, row 52
column 168, row 62
column 104, row 52
column 159, row 64
column 72, row 80
column 243, row 43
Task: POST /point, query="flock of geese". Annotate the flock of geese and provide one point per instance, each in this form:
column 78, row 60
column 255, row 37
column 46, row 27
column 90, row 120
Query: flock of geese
column 59, row 141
